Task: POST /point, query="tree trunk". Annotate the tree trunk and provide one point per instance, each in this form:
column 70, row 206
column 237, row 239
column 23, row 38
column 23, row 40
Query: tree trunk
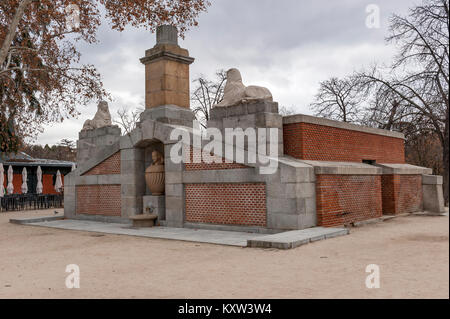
column 12, row 30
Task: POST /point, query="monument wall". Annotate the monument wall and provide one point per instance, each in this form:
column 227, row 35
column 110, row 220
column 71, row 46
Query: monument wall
column 345, row 199
column 327, row 173
column 312, row 138
column 242, row 204
column 402, row 194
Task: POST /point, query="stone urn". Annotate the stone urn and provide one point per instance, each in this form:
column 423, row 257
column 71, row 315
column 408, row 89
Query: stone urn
column 155, row 175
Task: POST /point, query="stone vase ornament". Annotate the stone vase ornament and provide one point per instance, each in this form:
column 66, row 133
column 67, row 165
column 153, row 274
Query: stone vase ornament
column 155, row 175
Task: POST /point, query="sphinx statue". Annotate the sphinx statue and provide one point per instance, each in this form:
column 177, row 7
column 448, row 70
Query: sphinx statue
column 102, row 117
column 236, row 92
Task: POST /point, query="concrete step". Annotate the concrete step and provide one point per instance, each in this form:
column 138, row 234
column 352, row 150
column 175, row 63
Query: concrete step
column 295, row 238
column 28, row 220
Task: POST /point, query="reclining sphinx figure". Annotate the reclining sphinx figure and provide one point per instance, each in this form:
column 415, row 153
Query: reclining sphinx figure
column 236, row 92
column 102, row 118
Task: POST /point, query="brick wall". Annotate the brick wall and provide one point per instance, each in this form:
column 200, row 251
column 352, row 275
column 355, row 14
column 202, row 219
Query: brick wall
column 109, row 166
column 229, row 204
column 219, row 163
column 323, row 143
column 98, row 200
column 343, row 199
column 401, row 194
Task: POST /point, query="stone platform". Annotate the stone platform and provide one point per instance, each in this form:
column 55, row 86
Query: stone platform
column 295, row 238
column 283, row 240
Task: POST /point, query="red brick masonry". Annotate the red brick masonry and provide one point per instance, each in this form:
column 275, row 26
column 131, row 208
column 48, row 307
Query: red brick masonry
column 324, row 143
column 342, row 199
column 210, row 166
column 109, row 166
column 98, row 200
column 402, row 194
column 230, row 204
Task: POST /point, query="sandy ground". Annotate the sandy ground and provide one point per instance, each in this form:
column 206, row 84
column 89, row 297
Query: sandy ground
column 412, row 252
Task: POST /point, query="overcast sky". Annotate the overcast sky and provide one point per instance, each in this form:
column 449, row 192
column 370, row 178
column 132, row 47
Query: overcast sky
column 288, row 46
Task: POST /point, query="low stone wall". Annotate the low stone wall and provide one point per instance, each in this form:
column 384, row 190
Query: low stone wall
column 343, row 199
column 311, row 138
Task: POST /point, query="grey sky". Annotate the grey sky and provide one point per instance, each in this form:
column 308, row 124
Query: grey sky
column 289, row 46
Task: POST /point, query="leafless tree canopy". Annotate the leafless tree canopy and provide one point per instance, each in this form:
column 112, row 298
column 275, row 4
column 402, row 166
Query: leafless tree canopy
column 286, row 110
column 418, row 79
column 127, row 119
column 411, row 95
column 206, row 94
column 338, row 99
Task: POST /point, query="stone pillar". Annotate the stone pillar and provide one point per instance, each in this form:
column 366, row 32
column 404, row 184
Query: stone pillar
column 174, row 207
column 90, row 141
column 255, row 114
column 132, row 181
column 167, row 71
column 433, row 196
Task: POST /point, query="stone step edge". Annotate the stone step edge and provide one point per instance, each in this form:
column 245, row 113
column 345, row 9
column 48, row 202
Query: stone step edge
column 22, row 221
column 270, row 241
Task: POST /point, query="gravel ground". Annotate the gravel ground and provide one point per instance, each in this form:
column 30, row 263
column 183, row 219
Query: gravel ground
column 412, row 253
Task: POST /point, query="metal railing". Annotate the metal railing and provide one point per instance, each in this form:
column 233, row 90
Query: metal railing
column 17, row 202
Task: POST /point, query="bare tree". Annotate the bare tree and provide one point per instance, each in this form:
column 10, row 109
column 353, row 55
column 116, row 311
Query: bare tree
column 286, row 110
column 338, row 99
column 425, row 149
column 419, row 76
column 128, row 119
column 206, row 94
column 383, row 109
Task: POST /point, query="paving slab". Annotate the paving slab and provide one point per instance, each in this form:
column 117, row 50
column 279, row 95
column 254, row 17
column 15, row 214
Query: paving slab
column 185, row 234
column 295, row 238
column 284, row 240
column 28, row 220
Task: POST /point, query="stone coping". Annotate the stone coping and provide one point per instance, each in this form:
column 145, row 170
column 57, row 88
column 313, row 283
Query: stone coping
column 158, row 53
column 302, row 118
column 243, row 108
column 343, row 168
column 432, row 180
column 403, row 169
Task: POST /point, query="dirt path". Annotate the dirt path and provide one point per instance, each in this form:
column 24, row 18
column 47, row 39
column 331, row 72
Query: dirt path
column 412, row 252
